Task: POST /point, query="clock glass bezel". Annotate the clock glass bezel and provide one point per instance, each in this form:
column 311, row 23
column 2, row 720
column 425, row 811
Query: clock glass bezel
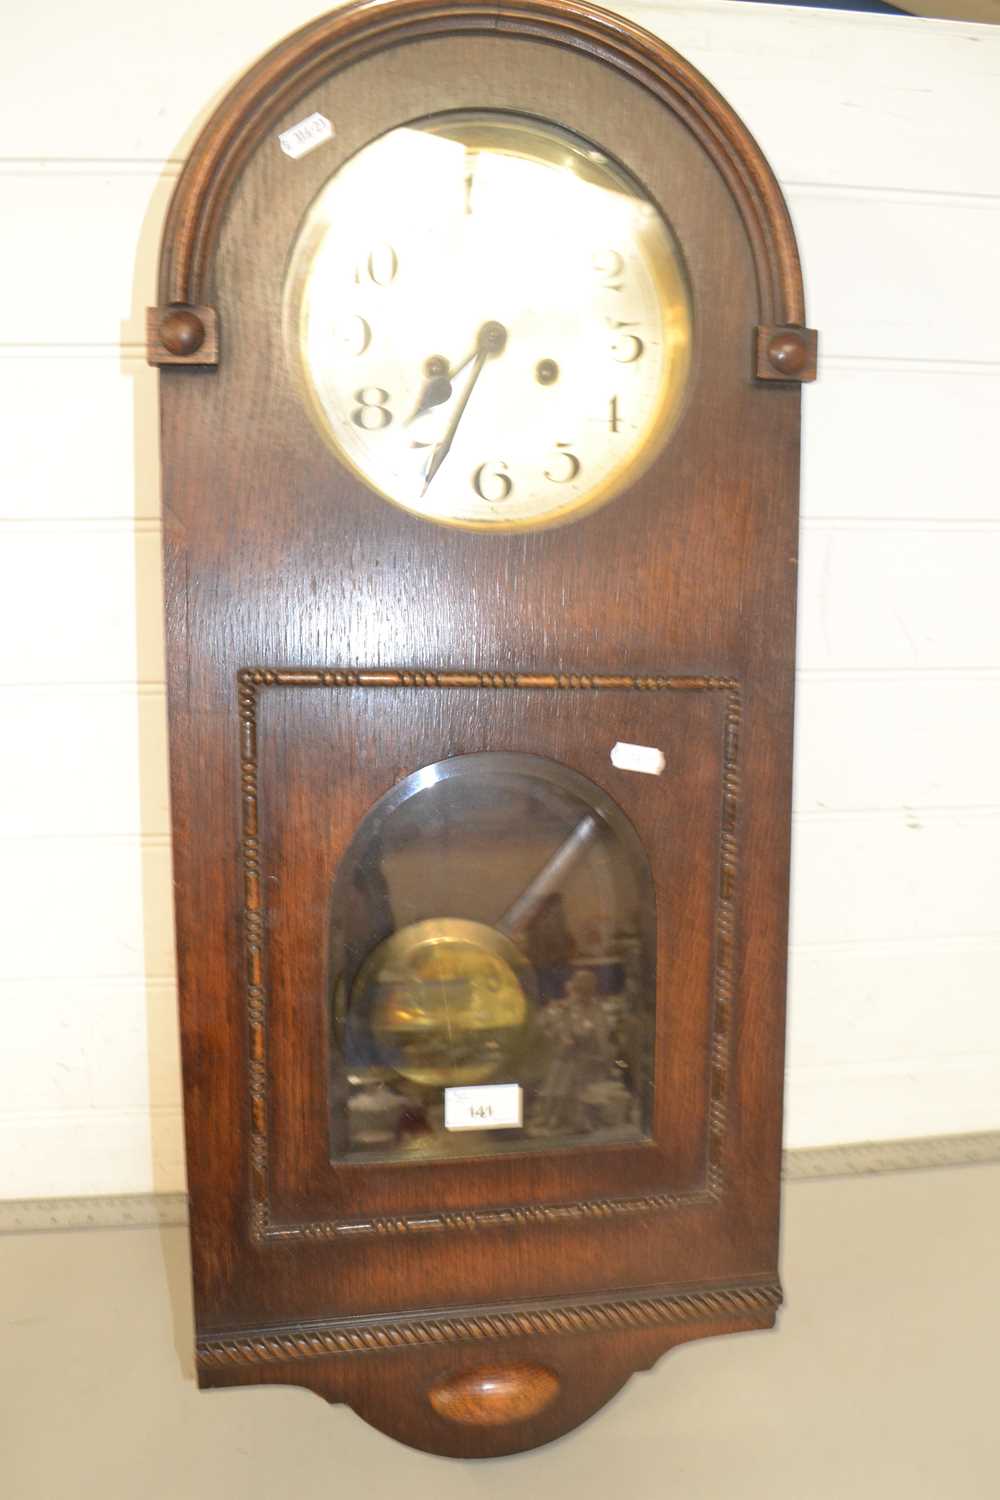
column 573, row 468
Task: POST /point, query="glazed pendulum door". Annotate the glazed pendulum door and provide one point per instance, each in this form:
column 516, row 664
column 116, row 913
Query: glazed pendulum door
column 492, row 929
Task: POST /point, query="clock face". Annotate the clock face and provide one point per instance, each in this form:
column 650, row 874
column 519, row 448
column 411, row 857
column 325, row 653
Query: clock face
column 489, row 320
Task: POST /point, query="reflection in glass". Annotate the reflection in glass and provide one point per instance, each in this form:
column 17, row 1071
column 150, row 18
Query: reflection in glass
column 486, row 233
column 492, row 922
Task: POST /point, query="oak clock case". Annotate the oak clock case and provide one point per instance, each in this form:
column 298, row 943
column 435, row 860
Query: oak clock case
column 479, row 444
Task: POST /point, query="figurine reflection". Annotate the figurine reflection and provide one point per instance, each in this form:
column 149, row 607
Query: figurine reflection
column 582, row 1089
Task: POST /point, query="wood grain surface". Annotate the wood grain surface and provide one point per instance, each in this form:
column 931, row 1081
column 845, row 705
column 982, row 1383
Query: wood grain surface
column 323, row 644
column 494, row 1395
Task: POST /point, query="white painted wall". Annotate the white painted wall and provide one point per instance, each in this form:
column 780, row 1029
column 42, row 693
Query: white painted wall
column 884, row 134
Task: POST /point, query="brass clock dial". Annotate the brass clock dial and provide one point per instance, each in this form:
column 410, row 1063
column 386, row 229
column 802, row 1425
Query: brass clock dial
column 490, row 321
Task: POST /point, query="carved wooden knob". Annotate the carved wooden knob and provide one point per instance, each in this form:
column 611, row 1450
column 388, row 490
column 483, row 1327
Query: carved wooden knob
column 787, row 353
column 182, row 332
column 494, row 1395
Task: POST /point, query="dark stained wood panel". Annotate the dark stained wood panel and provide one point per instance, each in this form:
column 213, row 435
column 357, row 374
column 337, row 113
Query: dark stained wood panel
column 324, row 644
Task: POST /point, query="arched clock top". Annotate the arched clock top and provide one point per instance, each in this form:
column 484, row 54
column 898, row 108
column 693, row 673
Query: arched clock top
column 480, row 581
column 358, row 31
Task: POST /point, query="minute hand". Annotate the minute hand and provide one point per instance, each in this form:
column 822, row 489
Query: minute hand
column 440, row 453
column 491, row 340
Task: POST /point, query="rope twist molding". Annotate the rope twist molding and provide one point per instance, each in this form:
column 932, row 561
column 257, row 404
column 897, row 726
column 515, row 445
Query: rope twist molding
column 250, row 681
column 374, row 1336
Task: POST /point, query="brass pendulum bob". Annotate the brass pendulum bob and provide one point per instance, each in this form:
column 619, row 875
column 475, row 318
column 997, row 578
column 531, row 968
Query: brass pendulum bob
column 451, row 1001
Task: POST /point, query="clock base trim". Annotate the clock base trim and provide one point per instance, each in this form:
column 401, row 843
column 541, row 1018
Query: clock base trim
column 393, row 1388
column 654, row 1307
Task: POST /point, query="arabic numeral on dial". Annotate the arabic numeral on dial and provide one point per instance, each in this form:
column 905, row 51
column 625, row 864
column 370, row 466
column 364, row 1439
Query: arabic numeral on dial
column 380, row 268
column 354, row 334
column 614, row 419
column 572, row 466
column 627, row 349
column 492, row 483
column 610, row 267
column 372, row 411
column 471, row 162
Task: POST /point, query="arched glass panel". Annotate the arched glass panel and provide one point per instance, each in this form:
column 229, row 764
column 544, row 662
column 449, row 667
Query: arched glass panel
column 492, row 925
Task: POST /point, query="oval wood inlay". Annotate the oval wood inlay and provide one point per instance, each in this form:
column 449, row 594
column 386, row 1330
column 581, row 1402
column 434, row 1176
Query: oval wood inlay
column 495, row 1394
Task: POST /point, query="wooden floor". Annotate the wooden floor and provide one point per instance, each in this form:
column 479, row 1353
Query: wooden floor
column 882, row 1380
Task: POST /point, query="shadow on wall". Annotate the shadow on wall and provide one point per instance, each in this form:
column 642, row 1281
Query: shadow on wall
column 166, row 1136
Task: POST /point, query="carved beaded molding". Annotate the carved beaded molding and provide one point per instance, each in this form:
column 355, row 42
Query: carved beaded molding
column 656, row 1308
column 250, row 681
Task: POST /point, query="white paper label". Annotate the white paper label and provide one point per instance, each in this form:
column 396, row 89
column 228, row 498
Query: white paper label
column 486, row 1106
column 638, row 758
column 305, row 136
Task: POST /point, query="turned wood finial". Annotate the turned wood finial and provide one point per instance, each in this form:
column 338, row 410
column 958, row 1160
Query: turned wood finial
column 182, row 332
column 787, row 353
column 177, row 335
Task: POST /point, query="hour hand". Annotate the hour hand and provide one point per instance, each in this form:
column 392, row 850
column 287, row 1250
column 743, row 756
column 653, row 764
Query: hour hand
column 437, row 386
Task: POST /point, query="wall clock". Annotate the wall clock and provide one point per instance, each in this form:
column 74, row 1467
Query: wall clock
column 480, row 332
